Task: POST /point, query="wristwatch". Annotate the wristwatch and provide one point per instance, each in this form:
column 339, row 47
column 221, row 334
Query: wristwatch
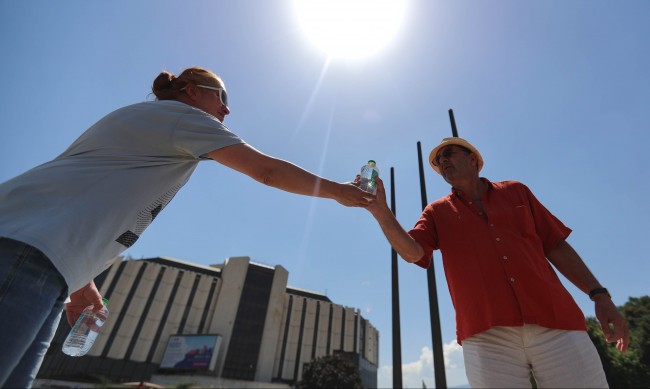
column 599, row 291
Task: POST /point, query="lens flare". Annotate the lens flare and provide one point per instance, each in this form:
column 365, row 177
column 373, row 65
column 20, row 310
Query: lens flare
column 350, row 28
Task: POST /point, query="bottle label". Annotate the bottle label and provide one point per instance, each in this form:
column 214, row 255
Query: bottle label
column 374, row 175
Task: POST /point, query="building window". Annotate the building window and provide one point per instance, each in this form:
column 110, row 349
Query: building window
column 246, row 339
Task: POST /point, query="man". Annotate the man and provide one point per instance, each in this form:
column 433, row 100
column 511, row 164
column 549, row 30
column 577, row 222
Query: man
column 498, row 242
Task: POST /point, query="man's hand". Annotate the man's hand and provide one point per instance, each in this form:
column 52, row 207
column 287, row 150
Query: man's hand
column 609, row 316
column 79, row 300
column 379, row 204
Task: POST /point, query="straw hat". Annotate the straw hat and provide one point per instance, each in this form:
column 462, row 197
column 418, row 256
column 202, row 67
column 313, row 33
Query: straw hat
column 454, row 141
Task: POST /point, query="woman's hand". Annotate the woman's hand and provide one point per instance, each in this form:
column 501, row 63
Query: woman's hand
column 79, row 300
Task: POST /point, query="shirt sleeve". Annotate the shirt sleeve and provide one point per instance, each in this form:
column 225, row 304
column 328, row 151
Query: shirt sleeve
column 549, row 228
column 198, row 133
column 424, row 232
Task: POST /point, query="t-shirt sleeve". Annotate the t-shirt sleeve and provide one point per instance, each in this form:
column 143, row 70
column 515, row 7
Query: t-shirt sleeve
column 198, row 133
column 549, row 228
column 424, row 232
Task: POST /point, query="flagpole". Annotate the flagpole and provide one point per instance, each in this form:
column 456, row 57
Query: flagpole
column 438, row 357
column 397, row 343
column 454, row 130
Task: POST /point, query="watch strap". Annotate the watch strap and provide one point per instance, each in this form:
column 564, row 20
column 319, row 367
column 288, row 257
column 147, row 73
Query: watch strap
column 599, row 291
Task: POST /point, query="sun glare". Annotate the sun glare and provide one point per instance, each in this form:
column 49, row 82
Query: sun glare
column 350, row 28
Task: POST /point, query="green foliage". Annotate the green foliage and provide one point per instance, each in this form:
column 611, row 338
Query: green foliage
column 632, row 369
column 330, row 371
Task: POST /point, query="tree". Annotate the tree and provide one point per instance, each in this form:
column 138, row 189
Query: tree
column 330, row 371
column 630, row 370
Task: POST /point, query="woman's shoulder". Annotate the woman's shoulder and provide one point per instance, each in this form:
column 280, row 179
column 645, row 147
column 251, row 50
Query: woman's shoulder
column 159, row 105
column 165, row 108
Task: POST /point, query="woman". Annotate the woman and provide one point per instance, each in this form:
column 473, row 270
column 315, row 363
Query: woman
column 62, row 223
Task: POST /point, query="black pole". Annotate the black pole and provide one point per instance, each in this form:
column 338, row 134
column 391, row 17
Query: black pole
column 436, row 334
column 454, row 130
column 397, row 343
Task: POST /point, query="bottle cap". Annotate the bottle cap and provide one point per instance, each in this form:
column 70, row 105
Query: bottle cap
column 371, row 163
column 105, row 301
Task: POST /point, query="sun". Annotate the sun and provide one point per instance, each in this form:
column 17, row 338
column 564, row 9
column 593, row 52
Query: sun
column 350, row 29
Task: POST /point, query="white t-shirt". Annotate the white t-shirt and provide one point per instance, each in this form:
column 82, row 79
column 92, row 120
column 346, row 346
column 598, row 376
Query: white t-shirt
column 93, row 201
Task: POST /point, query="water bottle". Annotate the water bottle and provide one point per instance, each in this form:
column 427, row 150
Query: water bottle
column 85, row 331
column 368, row 174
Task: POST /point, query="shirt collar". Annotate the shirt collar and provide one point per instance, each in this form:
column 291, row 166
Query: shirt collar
column 459, row 194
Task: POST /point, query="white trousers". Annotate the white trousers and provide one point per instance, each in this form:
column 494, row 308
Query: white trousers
column 503, row 357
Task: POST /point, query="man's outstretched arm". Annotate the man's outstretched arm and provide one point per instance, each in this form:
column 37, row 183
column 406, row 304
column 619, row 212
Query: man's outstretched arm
column 402, row 242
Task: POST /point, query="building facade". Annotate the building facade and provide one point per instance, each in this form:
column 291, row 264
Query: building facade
column 261, row 330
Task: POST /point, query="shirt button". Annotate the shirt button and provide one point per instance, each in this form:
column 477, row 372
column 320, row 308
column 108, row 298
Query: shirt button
column 471, row 203
column 512, row 279
column 480, row 213
column 498, row 239
column 505, row 257
column 491, row 225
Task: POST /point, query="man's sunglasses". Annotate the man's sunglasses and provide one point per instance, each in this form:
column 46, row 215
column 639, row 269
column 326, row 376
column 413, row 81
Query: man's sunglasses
column 448, row 152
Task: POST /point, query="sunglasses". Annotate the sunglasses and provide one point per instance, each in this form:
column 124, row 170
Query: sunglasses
column 446, row 153
column 223, row 95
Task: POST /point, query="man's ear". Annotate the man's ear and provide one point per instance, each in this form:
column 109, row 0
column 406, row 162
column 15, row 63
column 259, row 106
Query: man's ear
column 474, row 159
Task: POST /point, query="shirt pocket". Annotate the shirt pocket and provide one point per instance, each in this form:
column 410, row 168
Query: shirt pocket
column 525, row 220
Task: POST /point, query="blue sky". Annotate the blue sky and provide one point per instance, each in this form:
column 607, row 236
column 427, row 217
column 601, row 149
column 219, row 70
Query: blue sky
column 555, row 94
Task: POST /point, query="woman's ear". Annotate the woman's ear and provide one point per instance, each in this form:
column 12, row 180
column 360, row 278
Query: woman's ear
column 191, row 92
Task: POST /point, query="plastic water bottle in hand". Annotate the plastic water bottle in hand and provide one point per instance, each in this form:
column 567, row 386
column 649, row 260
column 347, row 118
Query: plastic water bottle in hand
column 368, row 174
column 85, row 331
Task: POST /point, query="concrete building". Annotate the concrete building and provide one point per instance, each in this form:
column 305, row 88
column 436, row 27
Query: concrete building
column 256, row 330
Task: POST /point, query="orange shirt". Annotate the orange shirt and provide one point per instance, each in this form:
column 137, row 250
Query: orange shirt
column 495, row 264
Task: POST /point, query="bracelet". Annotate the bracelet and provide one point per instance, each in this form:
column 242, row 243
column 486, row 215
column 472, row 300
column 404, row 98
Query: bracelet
column 599, row 291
